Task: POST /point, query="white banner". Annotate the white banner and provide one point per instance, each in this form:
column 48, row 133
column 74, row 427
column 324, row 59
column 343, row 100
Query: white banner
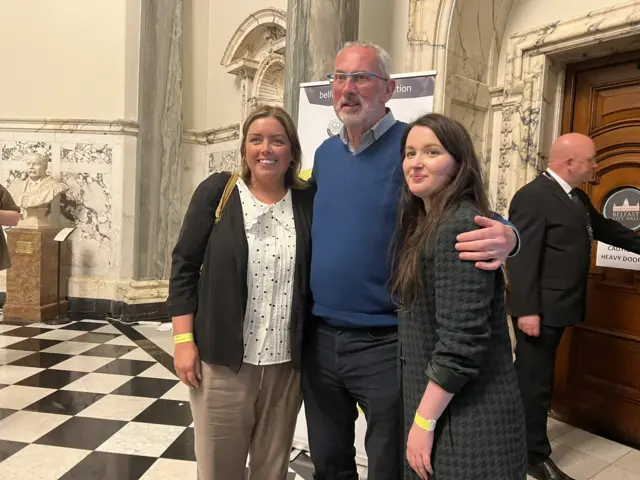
column 317, row 121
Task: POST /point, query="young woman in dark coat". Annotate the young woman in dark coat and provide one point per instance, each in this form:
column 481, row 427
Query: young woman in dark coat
column 464, row 418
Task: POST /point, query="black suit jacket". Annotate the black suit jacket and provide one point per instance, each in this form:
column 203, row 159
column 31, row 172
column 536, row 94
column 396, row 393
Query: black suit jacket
column 209, row 272
column 549, row 275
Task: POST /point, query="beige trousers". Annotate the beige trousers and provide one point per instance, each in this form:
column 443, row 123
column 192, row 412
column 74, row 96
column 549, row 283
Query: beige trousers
column 252, row 413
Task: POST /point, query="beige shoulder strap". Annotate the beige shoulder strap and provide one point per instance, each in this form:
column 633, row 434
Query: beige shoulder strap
column 231, row 183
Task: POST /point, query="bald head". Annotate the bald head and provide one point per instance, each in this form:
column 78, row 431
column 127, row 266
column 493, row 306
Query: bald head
column 572, row 157
column 568, row 145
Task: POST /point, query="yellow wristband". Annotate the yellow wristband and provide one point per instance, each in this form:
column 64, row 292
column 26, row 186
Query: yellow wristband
column 424, row 424
column 183, row 338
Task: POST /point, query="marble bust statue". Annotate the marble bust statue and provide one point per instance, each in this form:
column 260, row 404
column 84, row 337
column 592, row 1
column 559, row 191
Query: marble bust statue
column 35, row 193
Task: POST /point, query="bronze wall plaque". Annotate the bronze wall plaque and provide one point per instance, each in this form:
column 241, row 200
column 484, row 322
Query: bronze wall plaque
column 24, row 247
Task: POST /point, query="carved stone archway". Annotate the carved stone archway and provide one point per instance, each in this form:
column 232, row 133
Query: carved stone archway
column 256, row 54
column 268, row 83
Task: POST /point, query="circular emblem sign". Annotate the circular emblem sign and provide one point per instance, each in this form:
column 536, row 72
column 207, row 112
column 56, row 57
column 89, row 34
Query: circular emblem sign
column 623, row 206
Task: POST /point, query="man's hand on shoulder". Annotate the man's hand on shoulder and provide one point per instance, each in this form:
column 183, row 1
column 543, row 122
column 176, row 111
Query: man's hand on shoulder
column 488, row 246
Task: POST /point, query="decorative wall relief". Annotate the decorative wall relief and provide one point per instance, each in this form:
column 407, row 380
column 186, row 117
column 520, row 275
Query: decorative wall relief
column 255, row 53
column 88, row 205
column 86, row 153
column 96, row 159
column 16, row 151
column 529, row 74
column 86, row 166
column 226, row 161
column 268, row 86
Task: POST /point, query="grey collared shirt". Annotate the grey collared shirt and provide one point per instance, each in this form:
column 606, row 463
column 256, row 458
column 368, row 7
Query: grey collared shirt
column 371, row 135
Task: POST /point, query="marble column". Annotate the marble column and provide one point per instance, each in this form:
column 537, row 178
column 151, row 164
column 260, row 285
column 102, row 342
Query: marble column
column 159, row 170
column 316, row 30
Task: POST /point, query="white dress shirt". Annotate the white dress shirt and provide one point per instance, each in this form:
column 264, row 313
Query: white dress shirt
column 271, row 237
column 565, row 186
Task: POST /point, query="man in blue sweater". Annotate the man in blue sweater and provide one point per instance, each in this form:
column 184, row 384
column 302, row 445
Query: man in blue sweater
column 351, row 352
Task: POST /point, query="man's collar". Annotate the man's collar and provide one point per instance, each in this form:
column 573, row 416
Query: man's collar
column 384, row 124
column 563, row 183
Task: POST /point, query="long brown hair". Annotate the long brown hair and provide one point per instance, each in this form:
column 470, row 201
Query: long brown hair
column 416, row 227
column 292, row 176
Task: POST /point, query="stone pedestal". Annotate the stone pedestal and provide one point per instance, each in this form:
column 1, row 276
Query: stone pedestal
column 36, row 217
column 33, row 276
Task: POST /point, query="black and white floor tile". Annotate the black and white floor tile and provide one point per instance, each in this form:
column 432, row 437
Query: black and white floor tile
column 94, row 400
column 98, row 400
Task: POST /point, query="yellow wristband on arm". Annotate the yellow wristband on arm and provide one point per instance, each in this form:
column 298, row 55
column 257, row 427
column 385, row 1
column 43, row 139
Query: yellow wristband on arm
column 183, row 338
column 424, row 424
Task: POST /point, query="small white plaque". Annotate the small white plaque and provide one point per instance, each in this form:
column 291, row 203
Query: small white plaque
column 614, row 257
column 63, row 234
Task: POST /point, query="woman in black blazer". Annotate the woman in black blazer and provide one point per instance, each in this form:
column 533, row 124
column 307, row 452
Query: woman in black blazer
column 239, row 295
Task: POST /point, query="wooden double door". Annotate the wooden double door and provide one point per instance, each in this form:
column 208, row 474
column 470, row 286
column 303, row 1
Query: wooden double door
column 597, row 380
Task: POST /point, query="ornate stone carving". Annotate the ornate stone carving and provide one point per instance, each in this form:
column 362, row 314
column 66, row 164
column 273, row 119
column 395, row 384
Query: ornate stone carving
column 253, row 55
column 268, row 23
column 528, row 72
column 439, row 33
column 35, row 194
column 268, row 83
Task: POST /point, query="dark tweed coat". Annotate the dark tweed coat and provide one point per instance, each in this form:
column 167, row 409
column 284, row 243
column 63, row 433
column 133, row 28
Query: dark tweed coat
column 457, row 336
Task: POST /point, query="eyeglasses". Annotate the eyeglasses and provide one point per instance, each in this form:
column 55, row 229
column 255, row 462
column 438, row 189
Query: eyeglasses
column 362, row 79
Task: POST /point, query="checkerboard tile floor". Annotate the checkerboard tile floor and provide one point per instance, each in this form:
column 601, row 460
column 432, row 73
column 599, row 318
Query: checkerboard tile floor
column 93, row 400
column 98, row 400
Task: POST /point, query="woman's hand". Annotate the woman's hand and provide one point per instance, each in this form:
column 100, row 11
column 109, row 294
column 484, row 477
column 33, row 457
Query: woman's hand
column 419, row 445
column 186, row 361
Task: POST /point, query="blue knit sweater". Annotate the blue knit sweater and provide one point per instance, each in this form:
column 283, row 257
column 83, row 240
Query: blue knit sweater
column 354, row 218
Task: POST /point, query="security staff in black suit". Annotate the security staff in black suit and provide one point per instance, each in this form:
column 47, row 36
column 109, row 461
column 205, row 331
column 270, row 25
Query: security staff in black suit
column 548, row 277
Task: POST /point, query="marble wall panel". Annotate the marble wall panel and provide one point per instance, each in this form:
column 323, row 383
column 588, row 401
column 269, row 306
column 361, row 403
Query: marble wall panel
column 200, row 161
column 223, row 157
column 195, row 170
column 91, row 164
column 226, row 161
column 86, row 153
column 88, row 205
column 14, row 151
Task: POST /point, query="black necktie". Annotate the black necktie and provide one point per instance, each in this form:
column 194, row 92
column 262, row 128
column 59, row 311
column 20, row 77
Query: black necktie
column 576, row 199
column 574, row 196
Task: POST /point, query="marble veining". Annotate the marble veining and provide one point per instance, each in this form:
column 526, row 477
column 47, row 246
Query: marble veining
column 226, row 161
column 14, row 174
column 87, row 205
column 86, row 153
column 146, row 291
column 159, row 193
column 70, row 125
column 15, row 151
column 209, row 137
column 315, row 32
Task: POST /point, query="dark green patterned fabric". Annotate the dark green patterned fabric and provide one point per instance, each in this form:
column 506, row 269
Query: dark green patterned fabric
column 457, row 336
